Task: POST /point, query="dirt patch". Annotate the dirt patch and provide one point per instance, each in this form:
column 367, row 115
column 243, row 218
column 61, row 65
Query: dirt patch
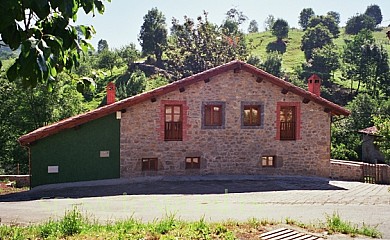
column 4, row 189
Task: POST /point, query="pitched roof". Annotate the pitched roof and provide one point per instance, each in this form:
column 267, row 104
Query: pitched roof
column 125, row 103
column 369, row 131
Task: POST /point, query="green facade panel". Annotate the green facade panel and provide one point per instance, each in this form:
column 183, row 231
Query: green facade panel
column 87, row 152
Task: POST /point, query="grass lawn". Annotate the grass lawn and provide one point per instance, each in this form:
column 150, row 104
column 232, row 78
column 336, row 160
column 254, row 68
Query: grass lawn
column 74, row 225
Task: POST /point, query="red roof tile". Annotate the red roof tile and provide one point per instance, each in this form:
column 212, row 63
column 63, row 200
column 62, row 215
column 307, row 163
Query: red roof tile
column 125, row 103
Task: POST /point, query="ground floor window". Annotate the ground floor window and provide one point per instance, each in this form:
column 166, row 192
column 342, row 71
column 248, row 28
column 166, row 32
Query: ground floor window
column 268, row 161
column 149, row 164
column 192, row 162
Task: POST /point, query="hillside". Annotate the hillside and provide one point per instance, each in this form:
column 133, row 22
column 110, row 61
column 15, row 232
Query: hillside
column 294, row 56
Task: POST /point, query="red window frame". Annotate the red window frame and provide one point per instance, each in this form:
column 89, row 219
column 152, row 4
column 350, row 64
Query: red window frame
column 294, row 126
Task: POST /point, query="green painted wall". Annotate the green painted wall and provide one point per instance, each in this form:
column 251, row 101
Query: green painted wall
column 76, row 152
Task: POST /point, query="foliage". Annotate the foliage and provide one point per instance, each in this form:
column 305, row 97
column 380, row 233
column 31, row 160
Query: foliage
column 253, row 26
column 129, row 53
column 335, row 15
column 304, row 17
column 375, row 12
column 335, row 224
column 75, row 226
column 383, row 141
column 236, row 16
column 108, row 60
column 131, row 84
column 324, row 61
column 155, row 81
column 273, row 64
column 153, row 34
column 280, row 29
column 359, row 22
column 24, row 110
column 315, row 37
column 269, row 22
column 367, row 63
column 47, row 41
column 102, row 46
column 327, row 21
column 198, row 47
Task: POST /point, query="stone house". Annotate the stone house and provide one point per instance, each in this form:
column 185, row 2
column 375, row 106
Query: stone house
column 229, row 120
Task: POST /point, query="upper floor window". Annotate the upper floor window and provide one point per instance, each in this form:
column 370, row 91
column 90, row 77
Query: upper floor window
column 173, row 130
column 288, row 123
column 213, row 114
column 251, row 115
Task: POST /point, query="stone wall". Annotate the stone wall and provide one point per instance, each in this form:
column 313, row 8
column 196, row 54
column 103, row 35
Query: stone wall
column 346, row 170
column 354, row 171
column 21, row 180
column 232, row 149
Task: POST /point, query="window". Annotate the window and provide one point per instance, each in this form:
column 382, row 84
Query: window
column 287, row 123
column 213, row 115
column 192, row 162
column 268, row 161
column 173, row 123
column 251, row 115
column 149, row 164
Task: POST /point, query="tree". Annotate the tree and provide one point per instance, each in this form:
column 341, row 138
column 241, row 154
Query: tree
column 335, row 16
column 280, row 29
column 327, row 21
column 315, row 37
column 131, row 84
column 102, row 45
column 383, row 141
column 305, row 16
column 269, row 22
column 153, row 34
column 197, row 47
column 359, row 22
column 129, row 53
column 108, row 60
column 324, row 61
column 367, row 63
column 47, row 41
column 273, row 64
column 253, row 27
column 236, row 16
column 375, row 12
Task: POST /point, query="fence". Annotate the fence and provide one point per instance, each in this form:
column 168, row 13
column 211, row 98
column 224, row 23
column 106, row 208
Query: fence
column 359, row 171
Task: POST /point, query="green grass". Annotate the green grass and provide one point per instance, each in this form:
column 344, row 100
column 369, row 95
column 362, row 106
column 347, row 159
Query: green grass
column 74, row 225
column 294, row 56
column 334, row 224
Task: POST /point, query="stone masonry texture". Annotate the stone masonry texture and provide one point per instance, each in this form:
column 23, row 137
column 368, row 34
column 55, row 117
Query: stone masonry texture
column 231, row 150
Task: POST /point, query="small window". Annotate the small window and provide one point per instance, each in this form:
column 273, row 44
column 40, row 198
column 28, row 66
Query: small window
column 149, row 164
column 192, row 162
column 268, row 161
column 251, row 115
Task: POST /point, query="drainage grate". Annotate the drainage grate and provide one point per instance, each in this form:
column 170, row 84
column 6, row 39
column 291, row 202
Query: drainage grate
column 287, row 234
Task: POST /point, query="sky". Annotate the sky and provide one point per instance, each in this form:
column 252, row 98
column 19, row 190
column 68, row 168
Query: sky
column 122, row 20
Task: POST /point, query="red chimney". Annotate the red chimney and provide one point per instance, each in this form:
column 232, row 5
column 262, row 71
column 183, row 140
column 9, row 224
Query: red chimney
column 110, row 93
column 314, row 84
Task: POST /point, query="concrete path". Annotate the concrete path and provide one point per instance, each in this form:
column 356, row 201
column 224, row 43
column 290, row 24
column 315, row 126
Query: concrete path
column 301, row 198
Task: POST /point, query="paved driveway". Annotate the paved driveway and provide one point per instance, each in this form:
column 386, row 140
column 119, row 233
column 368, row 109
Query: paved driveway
column 302, row 198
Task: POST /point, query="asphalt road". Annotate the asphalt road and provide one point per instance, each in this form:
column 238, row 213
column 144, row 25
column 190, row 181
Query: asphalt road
column 305, row 199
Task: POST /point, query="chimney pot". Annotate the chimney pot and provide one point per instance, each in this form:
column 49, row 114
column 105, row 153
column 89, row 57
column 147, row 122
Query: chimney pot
column 314, row 84
column 110, row 93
